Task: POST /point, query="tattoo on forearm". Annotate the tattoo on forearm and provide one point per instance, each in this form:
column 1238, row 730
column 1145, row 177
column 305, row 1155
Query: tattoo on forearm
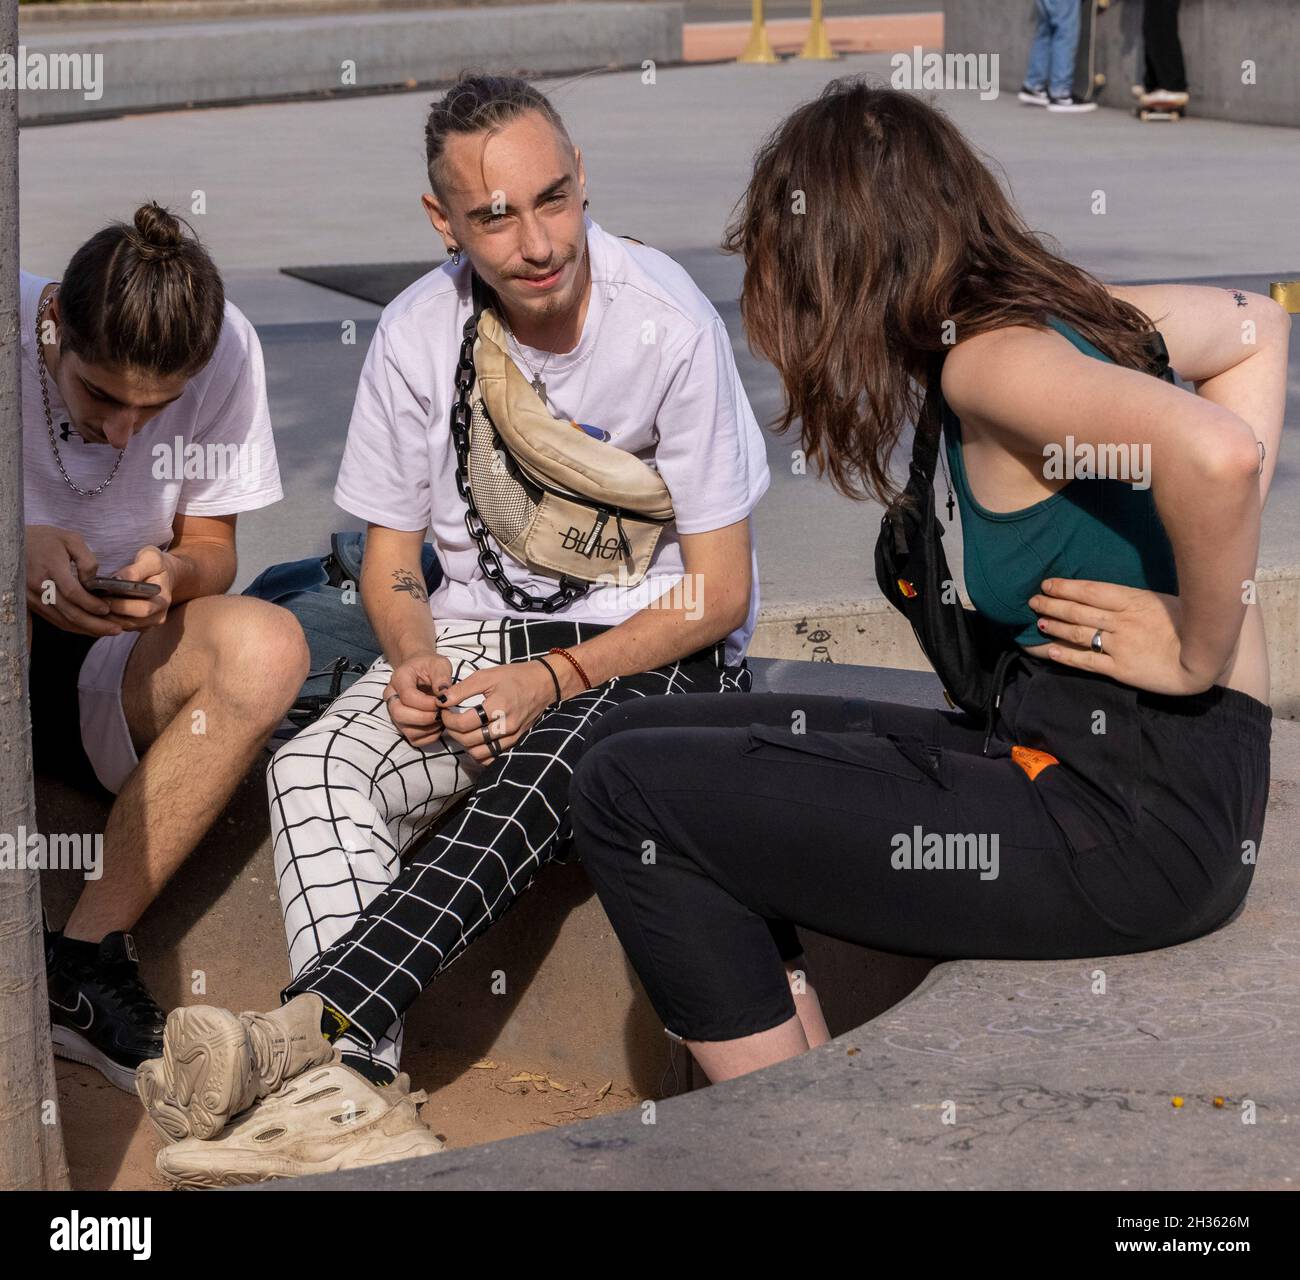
column 1240, row 297
column 408, row 582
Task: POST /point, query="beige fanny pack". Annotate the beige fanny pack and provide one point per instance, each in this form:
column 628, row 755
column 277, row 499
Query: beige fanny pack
column 558, row 501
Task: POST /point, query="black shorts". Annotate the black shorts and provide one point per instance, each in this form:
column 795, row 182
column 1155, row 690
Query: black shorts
column 57, row 749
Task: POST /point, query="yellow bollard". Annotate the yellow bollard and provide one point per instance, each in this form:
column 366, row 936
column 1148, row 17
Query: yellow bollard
column 1286, row 292
column 817, row 48
column 759, row 48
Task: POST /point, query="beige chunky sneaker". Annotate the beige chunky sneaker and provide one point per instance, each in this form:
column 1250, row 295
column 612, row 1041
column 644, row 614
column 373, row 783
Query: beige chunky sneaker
column 323, row 1120
column 216, row 1064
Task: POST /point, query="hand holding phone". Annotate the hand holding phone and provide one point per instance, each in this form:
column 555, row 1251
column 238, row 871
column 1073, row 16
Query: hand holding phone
column 57, row 560
column 121, row 588
column 140, row 593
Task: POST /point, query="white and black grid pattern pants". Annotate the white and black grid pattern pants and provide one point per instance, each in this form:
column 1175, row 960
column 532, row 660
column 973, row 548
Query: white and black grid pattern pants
column 369, row 922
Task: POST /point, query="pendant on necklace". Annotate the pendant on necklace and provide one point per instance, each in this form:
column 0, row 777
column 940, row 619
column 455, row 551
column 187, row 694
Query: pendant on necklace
column 539, row 386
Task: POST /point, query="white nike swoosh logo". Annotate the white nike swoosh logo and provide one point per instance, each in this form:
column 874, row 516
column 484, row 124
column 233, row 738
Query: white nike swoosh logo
column 75, row 1011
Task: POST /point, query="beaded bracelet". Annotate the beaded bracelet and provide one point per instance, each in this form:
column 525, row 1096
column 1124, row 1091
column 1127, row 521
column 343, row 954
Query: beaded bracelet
column 577, row 666
column 555, row 680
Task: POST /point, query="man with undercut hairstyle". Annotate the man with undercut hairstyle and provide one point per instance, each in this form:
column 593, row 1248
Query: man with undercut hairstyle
column 474, row 693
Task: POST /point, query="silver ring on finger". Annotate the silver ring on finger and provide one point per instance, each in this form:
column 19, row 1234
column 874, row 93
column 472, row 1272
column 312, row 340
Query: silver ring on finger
column 1096, row 642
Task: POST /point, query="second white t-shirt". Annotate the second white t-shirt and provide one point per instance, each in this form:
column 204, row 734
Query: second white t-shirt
column 209, row 453
column 675, row 400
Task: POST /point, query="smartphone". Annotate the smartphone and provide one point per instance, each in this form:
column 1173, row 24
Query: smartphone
column 122, row 588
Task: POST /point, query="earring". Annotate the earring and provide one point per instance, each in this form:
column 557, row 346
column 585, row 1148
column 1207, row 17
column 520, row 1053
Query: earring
column 585, row 203
column 455, row 255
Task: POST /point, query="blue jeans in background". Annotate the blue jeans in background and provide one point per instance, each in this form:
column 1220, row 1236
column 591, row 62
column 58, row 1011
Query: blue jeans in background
column 1051, row 58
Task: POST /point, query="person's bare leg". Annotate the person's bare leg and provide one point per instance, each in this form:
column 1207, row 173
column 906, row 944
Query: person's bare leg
column 807, row 1007
column 725, row 1059
column 204, row 691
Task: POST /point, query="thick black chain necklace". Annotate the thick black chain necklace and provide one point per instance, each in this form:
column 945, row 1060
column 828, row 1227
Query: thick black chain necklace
column 515, row 596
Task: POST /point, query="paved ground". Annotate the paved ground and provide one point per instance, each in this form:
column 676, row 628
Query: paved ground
column 339, row 181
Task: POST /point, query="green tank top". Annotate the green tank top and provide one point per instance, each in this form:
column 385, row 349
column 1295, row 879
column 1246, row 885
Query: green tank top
column 1106, row 530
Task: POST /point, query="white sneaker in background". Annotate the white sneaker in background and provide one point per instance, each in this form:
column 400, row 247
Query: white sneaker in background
column 1164, row 100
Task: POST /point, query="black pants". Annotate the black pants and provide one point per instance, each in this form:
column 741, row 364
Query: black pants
column 702, row 819
column 1162, row 48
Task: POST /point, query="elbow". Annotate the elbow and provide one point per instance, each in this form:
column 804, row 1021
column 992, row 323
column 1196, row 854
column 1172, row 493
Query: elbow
column 1277, row 322
column 723, row 617
column 1233, row 467
column 736, row 616
column 1230, row 459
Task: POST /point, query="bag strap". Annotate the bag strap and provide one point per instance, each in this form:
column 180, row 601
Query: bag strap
column 570, row 589
column 925, row 447
column 481, row 295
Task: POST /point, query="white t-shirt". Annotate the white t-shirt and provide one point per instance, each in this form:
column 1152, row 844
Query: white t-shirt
column 676, row 402
column 209, row 453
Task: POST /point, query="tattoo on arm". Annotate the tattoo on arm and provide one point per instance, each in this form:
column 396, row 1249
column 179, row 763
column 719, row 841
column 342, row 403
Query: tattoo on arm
column 408, row 582
column 1240, row 297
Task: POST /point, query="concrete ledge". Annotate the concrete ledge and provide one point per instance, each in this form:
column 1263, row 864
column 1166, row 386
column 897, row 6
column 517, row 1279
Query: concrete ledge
column 1219, row 38
column 149, row 67
column 1055, row 1085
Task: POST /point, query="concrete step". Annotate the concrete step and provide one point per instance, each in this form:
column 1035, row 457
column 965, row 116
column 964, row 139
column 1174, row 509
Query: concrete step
column 1182, row 1075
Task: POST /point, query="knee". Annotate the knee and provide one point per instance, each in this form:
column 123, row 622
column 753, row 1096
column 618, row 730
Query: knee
column 633, row 714
column 260, row 661
column 604, row 796
column 597, row 771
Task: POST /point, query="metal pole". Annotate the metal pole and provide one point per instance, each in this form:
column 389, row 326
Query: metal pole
column 1286, row 293
column 759, row 48
column 817, row 48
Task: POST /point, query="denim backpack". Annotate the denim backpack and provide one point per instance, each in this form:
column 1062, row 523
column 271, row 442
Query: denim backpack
column 339, row 635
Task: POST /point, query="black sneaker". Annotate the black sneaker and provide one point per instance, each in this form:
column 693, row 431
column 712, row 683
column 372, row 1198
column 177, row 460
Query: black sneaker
column 100, row 1012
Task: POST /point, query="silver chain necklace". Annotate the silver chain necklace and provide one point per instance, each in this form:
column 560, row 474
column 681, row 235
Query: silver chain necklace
column 49, row 418
column 538, row 385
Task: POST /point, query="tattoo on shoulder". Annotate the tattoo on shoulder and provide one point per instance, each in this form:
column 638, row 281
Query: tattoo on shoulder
column 1240, row 297
column 408, row 582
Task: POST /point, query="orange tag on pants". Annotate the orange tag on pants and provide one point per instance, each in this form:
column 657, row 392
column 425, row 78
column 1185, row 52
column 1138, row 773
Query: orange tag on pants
column 1033, row 762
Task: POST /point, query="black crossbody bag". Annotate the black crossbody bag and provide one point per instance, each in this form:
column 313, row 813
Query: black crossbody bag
column 969, row 653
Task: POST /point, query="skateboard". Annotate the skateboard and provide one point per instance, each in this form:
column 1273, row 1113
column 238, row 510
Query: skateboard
column 1147, row 114
column 1089, row 80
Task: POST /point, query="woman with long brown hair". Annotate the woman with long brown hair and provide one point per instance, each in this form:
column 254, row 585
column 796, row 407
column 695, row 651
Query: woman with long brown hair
column 1111, row 527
